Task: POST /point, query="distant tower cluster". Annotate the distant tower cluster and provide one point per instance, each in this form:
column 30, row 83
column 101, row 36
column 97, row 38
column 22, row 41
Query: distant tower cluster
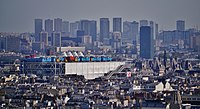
column 130, row 38
column 131, row 33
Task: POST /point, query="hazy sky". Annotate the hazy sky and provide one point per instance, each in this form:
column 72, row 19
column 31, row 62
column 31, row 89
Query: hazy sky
column 19, row 15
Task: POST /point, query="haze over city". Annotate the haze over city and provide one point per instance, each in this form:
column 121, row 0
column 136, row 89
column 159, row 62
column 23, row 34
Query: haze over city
column 19, row 15
column 100, row 54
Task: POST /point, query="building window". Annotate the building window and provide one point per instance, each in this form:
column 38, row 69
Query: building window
column 194, row 99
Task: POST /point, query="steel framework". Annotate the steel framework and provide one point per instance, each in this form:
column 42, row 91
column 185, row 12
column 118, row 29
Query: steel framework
column 44, row 68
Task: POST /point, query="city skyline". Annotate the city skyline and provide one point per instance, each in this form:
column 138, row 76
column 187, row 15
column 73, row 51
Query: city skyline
column 18, row 16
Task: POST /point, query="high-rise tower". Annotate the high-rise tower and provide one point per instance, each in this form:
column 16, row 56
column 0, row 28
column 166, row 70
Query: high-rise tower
column 73, row 28
column 143, row 23
column 38, row 29
column 180, row 25
column 104, row 30
column 117, row 24
column 89, row 27
column 56, row 39
column 93, row 30
column 65, row 26
column 146, row 42
column 130, row 31
column 58, row 25
column 44, row 38
column 49, row 26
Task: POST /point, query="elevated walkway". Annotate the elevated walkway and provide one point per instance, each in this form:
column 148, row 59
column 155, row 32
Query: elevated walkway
column 119, row 69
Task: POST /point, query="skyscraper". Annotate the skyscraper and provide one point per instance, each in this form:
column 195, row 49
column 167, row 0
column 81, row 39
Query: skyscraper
column 89, row 27
column 146, row 42
column 73, row 28
column 65, row 26
column 143, row 23
column 2, row 43
column 93, row 30
column 85, row 26
column 43, row 41
column 117, row 24
column 49, row 26
column 38, row 29
column 135, row 32
column 180, row 25
column 44, row 38
column 104, row 30
column 130, row 31
column 116, row 40
column 13, row 43
column 127, row 32
column 152, row 28
column 58, row 25
column 56, row 39
column 156, row 31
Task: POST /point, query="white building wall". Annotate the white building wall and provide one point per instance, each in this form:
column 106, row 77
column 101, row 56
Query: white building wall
column 91, row 70
column 80, row 67
column 168, row 86
column 159, row 87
